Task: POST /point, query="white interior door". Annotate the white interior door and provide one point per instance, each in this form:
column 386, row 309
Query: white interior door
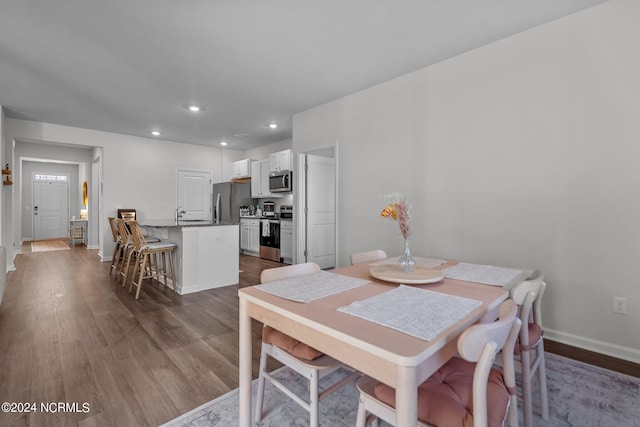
column 50, row 209
column 321, row 210
column 194, row 195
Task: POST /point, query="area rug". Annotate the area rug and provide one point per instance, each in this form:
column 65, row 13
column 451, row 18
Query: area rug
column 49, row 245
column 580, row 395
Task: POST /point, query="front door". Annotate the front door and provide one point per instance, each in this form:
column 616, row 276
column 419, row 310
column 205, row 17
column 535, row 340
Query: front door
column 50, row 209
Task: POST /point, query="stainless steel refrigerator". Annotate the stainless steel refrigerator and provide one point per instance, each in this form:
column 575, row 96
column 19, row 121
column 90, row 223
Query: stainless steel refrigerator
column 227, row 199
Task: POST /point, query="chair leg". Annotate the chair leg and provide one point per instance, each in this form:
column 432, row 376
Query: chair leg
column 125, row 268
column 527, row 411
column 134, row 272
column 260, row 394
column 313, row 398
column 542, row 382
column 173, row 272
column 361, row 420
column 122, row 256
column 114, row 259
column 163, row 263
column 142, row 270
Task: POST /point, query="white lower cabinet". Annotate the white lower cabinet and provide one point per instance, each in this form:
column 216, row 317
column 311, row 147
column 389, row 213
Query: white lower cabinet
column 250, row 236
column 286, row 241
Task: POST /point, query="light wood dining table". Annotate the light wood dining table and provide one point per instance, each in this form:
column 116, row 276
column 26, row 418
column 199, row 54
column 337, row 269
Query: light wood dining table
column 392, row 357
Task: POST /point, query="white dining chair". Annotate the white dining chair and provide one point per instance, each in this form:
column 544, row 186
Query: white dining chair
column 368, row 256
column 529, row 348
column 305, row 360
column 467, row 389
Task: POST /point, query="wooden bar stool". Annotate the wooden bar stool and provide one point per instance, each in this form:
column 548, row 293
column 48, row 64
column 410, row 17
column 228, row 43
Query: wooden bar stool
column 151, row 262
column 117, row 249
column 127, row 251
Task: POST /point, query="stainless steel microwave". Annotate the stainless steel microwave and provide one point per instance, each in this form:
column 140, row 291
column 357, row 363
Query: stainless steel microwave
column 280, row 182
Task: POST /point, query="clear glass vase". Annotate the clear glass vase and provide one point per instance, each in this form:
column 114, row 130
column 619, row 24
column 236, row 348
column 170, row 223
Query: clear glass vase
column 406, row 261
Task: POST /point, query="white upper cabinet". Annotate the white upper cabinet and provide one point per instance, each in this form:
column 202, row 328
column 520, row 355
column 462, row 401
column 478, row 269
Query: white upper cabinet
column 256, row 179
column 280, row 161
column 241, row 169
column 260, row 180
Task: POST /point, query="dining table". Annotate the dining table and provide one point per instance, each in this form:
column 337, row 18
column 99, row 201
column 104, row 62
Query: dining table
column 389, row 355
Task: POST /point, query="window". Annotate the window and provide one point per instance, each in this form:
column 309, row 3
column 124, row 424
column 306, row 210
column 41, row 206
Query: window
column 38, row 177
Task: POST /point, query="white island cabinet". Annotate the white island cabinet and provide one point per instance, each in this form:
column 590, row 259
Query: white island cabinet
column 206, row 256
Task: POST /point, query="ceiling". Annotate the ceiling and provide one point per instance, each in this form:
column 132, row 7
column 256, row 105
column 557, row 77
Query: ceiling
column 132, row 66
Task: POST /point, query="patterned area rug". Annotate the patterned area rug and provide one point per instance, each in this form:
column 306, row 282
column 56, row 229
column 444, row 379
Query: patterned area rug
column 580, row 395
column 49, row 245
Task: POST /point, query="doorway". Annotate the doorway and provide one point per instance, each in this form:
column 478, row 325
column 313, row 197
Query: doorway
column 316, row 201
column 50, row 207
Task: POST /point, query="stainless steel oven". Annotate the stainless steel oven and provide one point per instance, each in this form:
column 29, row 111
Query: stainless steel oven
column 270, row 239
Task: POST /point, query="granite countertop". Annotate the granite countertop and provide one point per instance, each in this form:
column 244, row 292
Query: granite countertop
column 266, row 217
column 172, row 223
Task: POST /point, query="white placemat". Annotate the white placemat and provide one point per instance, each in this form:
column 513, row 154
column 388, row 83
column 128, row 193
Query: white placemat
column 423, row 262
column 485, row 274
column 417, row 312
column 311, row 287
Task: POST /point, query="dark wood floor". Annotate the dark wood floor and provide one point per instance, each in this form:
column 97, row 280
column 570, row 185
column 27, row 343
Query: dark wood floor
column 69, row 333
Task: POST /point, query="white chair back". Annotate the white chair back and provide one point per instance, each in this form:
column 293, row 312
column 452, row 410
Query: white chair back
column 369, row 256
column 528, row 295
column 278, row 273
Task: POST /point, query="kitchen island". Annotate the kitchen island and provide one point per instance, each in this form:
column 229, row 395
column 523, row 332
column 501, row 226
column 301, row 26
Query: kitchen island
column 206, row 255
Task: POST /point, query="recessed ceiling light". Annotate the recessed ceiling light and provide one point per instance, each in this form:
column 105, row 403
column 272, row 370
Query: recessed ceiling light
column 156, row 132
column 273, row 125
column 223, row 142
column 194, row 108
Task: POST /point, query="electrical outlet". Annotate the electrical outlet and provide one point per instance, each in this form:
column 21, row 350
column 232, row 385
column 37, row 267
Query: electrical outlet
column 620, row 305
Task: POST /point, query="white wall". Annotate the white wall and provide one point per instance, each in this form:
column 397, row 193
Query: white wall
column 137, row 172
column 6, row 201
column 3, row 216
column 523, row 153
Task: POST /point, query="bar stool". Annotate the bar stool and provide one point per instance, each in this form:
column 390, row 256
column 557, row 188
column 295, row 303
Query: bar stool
column 151, row 261
column 117, row 249
column 127, row 251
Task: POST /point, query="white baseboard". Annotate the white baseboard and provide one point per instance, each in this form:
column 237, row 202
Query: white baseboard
column 93, row 246
column 613, row 350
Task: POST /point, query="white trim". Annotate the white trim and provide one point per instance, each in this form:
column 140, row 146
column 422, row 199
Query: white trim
column 609, row 349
